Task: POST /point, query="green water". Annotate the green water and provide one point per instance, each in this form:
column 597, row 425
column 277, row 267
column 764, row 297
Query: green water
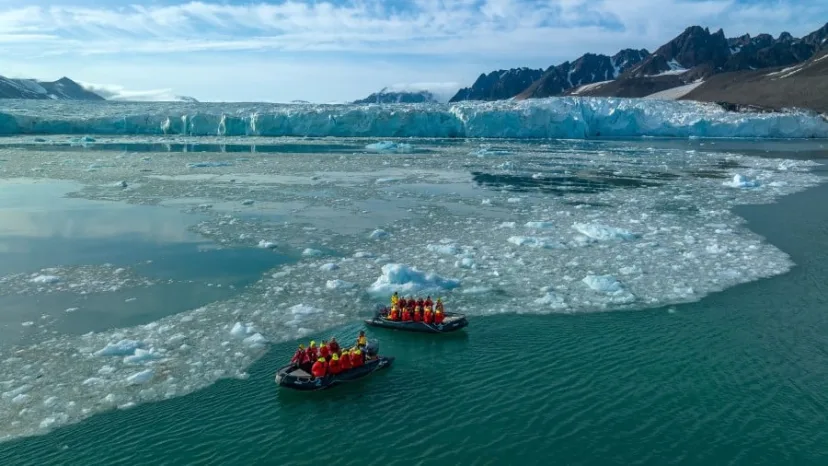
column 740, row 378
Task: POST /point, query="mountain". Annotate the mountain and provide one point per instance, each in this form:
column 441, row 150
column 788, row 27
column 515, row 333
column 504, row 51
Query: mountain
column 802, row 85
column 62, row 89
column 498, row 85
column 385, row 96
column 588, row 69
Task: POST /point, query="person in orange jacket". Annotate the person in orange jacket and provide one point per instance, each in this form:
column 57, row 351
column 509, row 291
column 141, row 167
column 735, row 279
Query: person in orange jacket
column 428, row 315
column 406, row 315
column 356, row 357
column 345, row 361
column 324, row 352
column 334, row 367
column 320, row 368
column 394, row 314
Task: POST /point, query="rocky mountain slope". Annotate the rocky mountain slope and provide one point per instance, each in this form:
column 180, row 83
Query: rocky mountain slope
column 386, row 96
column 62, row 89
column 693, row 57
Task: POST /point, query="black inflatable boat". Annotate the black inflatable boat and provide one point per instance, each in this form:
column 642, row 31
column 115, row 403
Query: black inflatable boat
column 291, row 376
column 451, row 322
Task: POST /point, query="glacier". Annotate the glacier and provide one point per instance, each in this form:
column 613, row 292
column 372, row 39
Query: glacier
column 556, row 117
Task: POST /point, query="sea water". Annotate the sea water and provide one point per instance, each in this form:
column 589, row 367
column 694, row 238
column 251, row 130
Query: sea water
column 539, row 242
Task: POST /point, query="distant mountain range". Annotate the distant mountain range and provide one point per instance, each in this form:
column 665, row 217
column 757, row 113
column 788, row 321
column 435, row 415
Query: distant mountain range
column 696, row 64
column 62, row 89
column 386, row 96
column 66, row 89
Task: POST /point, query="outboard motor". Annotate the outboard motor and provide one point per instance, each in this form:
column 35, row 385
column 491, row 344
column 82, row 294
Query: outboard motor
column 372, row 348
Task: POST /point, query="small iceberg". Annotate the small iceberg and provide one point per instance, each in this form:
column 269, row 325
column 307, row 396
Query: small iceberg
column 405, row 279
column 741, row 181
column 388, row 146
column 603, row 232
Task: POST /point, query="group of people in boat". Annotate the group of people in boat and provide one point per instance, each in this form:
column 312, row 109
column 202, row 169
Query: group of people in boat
column 329, row 358
column 416, row 310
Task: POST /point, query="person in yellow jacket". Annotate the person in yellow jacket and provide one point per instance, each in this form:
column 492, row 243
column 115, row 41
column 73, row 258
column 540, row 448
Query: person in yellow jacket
column 395, row 299
column 362, row 341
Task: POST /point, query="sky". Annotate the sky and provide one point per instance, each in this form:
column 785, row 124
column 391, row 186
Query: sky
column 341, row 50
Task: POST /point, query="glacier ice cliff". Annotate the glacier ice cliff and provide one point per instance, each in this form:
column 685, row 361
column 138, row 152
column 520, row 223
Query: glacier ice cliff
column 561, row 117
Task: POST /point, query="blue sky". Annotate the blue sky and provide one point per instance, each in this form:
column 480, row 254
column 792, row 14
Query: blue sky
column 340, row 50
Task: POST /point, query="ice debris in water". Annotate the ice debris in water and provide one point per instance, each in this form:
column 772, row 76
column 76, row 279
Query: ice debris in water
column 604, row 232
column 405, row 279
column 388, row 146
column 267, row 244
column 378, row 234
column 45, row 279
column 309, row 252
column 741, row 181
column 688, row 244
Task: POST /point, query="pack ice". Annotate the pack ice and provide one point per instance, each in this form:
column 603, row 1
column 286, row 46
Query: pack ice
column 557, row 117
column 626, row 227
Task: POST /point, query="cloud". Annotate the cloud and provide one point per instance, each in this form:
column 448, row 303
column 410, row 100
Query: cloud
column 362, row 40
column 116, row 92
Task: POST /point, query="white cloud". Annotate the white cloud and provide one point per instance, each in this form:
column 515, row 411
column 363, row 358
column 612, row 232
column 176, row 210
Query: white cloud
column 373, row 45
column 117, row 92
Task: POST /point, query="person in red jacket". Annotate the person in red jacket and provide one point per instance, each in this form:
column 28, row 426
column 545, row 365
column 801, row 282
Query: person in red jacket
column 324, row 352
column 298, row 355
column 313, row 352
column 418, row 315
column 420, row 302
column 428, row 302
column 320, row 368
column 394, row 314
column 333, row 365
column 333, row 346
column 345, row 361
column 406, row 317
column 428, row 315
column 356, row 357
column 438, row 316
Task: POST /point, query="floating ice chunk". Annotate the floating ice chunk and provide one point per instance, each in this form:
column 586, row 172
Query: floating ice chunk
column 267, row 244
column 28, row 323
column 248, row 202
column 45, row 279
column 450, row 249
column 140, row 378
column 241, row 330
column 363, row 255
column 388, row 146
column 378, row 234
column 329, row 267
column 339, row 285
column 465, row 263
column 17, row 391
column 508, row 225
column 552, row 300
column 603, row 283
column 741, row 181
column 402, row 278
column 603, row 232
column 71, row 309
column 308, row 252
column 536, row 242
column 609, row 285
column 540, row 225
column 141, row 356
column 255, row 340
column 121, row 348
column 21, row 399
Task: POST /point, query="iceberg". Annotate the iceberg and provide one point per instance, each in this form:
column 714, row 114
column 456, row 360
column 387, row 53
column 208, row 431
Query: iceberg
column 555, row 117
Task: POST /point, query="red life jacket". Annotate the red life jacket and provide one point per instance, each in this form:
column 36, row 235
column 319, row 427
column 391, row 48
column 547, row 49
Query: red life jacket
column 406, row 315
column 297, row 356
column 334, row 347
column 394, row 315
column 334, row 367
column 356, row 361
column 345, row 361
column 428, row 317
column 438, row 317
column 319, row 370
column 323, row 352
column 313, row 353
column 420, row 302
column 417, row 316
